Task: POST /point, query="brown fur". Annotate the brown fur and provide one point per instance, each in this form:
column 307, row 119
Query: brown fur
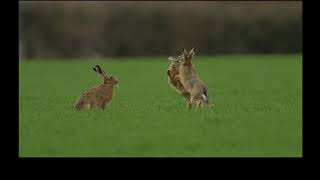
column 191, row 81
column 99, row 96
column 173, row 73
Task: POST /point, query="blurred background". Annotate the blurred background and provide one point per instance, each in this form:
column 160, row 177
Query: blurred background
column 82, row 29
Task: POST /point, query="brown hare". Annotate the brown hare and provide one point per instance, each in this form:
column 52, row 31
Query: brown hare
column 172, row 72
column 191, row 81
column 99, row 96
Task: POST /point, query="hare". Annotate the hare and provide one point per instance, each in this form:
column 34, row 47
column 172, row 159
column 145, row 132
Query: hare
column 191, row 81
column 172, row 72
column 99, row 96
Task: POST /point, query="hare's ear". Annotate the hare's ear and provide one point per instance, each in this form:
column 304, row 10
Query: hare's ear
column 184, row 52
column 192, row 52
column 172, row 59
column 98, row 69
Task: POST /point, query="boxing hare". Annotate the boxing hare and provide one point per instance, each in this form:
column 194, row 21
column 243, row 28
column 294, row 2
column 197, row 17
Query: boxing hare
column 172, row 72
column 191, row 81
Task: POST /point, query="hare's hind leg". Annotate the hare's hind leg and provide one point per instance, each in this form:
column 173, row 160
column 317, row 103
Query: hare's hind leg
column 87, row 106
column 209, row 104
column 198, row 104
column 186, row 95
column 79, row 105
column 189, row 104
column 82, row 105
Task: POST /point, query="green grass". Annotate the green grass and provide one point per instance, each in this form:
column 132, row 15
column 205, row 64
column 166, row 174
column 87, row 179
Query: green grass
column 258, row 109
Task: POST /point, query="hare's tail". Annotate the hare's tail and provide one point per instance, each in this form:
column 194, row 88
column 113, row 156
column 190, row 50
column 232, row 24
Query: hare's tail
column 205, row 96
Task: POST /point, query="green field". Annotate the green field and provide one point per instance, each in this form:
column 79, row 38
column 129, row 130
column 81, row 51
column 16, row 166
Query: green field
column 258, row 109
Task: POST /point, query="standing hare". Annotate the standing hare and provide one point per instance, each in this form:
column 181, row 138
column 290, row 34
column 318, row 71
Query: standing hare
column 98, row 96
column 191, row 81
column 172, row 72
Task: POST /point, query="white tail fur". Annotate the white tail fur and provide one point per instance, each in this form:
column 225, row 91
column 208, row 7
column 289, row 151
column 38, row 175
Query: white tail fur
column 204, row 97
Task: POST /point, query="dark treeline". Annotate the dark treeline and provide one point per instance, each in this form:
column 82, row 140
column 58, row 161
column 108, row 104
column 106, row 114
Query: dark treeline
column 98, row 29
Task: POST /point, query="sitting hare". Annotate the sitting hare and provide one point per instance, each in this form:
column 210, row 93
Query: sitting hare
column 172, row 72
column 98, row 96
column 191, row 81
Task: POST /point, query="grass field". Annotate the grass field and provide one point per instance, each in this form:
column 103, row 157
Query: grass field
column 258, row 109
